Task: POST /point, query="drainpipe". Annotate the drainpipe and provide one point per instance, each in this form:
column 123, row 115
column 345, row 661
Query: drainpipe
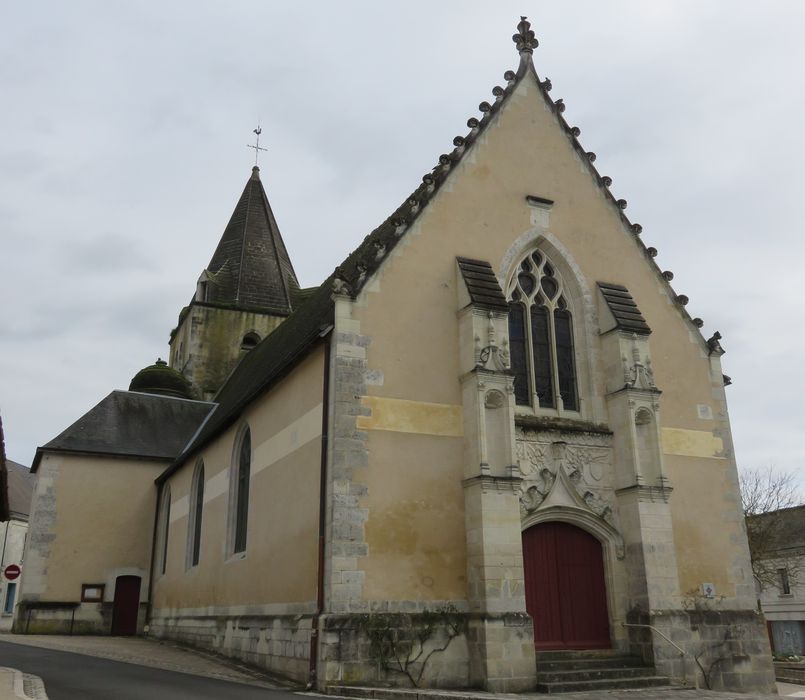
column 149, row 603
column 325, row 417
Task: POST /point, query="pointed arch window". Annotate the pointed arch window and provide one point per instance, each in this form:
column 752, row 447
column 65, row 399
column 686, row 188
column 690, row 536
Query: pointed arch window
column 244, row 461
column 541, row 337
column 196, row 513
column 164, row 528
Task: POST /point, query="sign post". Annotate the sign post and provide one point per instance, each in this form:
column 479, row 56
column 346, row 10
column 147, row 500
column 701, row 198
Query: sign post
column 11, row 572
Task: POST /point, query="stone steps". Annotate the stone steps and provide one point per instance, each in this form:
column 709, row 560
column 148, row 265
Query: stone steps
column 594, row 674
column 610, row 684
column 576, row 671
column 579, row 654
column 572, row 664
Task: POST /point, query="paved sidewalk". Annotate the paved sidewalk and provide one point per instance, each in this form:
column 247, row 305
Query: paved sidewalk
column 15, row 685
column 635, row 694
column 171, row 657
column 148, row 652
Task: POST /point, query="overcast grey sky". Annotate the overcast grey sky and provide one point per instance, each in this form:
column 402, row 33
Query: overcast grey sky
column 123, row 131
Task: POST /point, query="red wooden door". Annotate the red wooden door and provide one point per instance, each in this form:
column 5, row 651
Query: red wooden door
column 126, row 605
column 565, row 591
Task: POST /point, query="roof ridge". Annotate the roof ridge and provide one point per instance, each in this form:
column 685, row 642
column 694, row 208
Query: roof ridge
column 160, row 396
column 278, row 242
column 243, row 238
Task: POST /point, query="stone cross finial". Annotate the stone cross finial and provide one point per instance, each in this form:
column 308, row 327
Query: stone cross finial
column 525, row 40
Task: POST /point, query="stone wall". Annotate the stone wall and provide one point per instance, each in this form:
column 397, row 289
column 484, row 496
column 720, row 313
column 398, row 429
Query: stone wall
column 278, row 643
column 731, row 646
column 34, row 617
column 461, row 650
column 377, row 649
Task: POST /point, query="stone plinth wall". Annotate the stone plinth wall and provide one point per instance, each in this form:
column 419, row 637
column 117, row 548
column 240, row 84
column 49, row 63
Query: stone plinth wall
column 732, row 647
column 34, row 617
column 278, row 643
column 353, row 647
column 490, row 651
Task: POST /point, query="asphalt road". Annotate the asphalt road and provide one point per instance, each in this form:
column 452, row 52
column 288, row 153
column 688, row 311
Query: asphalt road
column 70, row 676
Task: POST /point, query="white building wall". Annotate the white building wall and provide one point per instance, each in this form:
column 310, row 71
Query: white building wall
column 12, row 545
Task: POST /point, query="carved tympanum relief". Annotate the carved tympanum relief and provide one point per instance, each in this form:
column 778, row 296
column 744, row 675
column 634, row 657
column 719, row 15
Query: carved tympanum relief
column 585, row 461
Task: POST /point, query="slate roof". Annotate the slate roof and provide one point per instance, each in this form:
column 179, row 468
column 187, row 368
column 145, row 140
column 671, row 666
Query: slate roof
column 624, row 309
column 251, row 267
column 482, row 284
column 20, row 489
column 131, row 424
column 785, row 528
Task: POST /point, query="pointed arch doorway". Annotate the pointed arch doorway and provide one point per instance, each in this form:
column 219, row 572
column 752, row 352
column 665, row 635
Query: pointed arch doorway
column 565, row 587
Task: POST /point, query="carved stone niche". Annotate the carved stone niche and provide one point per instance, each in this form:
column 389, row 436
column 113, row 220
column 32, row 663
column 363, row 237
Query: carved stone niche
column 627, row 362
column 484, row 340
column 488, row 402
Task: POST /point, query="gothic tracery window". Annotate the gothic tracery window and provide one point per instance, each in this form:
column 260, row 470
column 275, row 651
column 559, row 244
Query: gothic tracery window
column 541, row 337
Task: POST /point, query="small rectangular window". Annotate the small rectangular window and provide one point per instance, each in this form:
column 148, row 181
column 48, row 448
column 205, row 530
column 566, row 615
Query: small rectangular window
column 11, row 594
column 785, row 584
column 92, row 592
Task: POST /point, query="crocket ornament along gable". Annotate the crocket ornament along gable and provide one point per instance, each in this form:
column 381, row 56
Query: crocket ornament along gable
column 494, row 427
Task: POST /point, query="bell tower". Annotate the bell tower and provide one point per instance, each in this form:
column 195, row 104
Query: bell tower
column 245, row 292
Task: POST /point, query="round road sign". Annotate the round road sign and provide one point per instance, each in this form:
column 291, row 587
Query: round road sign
column 12, row 571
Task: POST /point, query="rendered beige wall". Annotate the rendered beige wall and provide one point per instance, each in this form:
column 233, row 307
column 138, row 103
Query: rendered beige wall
column 280, row 563
column 94, row 539
column 408, row 313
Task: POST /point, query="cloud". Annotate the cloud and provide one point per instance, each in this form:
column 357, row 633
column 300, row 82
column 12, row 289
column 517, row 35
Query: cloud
column 126, row 131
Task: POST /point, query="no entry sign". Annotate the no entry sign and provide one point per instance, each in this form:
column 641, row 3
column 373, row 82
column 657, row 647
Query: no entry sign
column 12, row 571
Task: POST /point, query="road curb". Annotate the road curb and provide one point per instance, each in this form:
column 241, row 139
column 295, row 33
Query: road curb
column 25, row 686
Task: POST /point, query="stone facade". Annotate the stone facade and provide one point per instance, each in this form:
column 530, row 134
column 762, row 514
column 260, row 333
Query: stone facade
column 407, row 436
column 721, row 649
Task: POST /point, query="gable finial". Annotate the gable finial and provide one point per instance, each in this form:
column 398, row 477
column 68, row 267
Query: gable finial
column 525, row 40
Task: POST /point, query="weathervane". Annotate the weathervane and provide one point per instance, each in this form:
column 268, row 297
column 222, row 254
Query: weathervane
column 257, row 148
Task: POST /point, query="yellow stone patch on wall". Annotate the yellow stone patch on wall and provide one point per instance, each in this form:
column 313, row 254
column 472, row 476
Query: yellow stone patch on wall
column 404, row 416
column 692, row 443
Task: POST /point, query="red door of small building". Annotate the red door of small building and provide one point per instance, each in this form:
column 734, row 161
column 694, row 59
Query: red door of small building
column 126, row 605
column 565, row 587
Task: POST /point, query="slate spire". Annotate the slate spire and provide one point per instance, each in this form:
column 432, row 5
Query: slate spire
column 251, row 267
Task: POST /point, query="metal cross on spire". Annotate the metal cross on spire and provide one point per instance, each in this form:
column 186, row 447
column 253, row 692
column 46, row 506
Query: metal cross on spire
column 257, row 148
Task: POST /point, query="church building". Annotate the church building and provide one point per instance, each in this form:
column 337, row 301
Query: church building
column 493, row 434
